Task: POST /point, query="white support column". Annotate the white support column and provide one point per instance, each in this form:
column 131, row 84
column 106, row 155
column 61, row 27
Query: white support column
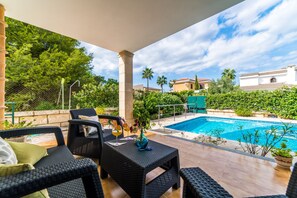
column 126, row 85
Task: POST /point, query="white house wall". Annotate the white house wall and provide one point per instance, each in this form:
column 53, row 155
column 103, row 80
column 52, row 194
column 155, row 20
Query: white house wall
column 292, row 75
column 249, row 81
column 279, row 79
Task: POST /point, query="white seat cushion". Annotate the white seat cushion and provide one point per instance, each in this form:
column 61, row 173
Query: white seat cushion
column 7, row 155
column 89, row 130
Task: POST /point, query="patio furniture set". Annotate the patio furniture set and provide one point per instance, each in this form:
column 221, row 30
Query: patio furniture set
column 64, row 176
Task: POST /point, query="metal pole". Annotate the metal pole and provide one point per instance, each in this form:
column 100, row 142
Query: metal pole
column 62, row 88
column 185, row 106
column 12, row 112
column 159, row 115
column 69, row 105
column 174, row 111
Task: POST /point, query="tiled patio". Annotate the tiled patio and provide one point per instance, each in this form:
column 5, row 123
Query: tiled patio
column 239, row 174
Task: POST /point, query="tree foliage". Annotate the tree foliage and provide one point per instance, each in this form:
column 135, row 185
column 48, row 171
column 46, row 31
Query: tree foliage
column 223, row 85
column 37, row 60
column 101, row 95
column 281, row 102
column 196, row 85
column 255, row 143
column 170, row 84
column 229, row 73
column 162, row 80
column 147, row 74
column 153, row 99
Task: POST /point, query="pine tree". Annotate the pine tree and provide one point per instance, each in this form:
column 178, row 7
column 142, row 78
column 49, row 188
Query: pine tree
column 197, row 86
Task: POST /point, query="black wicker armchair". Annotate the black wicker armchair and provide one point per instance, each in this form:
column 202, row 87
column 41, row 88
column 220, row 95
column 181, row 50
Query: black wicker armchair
column 59, row 172
column 90, row 146
column 198, row 184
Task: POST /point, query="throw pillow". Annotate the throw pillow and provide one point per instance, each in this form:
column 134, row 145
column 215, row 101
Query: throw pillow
column 7, row 155
column 89, row 130
column 27, row 153
column 12, row 169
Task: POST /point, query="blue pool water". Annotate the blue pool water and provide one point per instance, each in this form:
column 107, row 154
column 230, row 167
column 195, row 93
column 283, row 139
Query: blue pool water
column 230, row 128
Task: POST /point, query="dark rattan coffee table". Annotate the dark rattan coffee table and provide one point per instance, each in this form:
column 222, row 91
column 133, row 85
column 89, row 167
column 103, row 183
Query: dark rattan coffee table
column 128, row 167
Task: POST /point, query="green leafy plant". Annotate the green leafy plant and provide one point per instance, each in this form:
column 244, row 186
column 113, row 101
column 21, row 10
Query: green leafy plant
column 147, row 74
column 281, row 102
column 101, row 95
column 183, row 95
column 196, row 85
column 243, row 112
column 37, row 60
column 21, row 124
column 153, row 99
column 250, row 141
column 44, row 105
column 100, row 110
column 283, row 151
column 162, row 80
column 141, row 115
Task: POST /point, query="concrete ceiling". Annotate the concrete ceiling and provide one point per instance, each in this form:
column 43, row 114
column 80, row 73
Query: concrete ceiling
column 115, row 24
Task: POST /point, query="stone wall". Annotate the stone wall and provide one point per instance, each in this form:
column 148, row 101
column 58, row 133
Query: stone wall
column 232, row 113
column 43, row 118
column 48, row 117
column 60, row 117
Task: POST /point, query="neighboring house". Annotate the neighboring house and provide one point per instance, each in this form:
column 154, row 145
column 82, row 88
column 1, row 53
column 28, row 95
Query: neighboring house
column 269, row 80
column 143, row 88
column 189, row 84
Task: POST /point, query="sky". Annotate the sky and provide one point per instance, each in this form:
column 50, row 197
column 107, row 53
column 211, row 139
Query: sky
column 253, row 36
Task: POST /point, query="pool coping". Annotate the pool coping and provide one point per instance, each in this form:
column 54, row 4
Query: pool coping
column 274, row 120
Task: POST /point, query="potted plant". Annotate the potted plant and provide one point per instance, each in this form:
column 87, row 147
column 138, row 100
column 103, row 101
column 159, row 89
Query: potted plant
column 283, row 156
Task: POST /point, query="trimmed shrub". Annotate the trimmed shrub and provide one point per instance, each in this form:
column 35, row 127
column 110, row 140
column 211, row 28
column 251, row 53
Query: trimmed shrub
column 152, row 99
column 243, row 112
column 281, row 102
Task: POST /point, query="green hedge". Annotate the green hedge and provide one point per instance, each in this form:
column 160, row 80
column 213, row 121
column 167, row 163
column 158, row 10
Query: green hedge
column 152, row 99
column 282, row 102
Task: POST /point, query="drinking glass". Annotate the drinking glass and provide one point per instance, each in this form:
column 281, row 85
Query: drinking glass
column 116, row 133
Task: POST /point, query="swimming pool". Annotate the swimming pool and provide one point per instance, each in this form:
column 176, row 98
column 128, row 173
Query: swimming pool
column 230, row 128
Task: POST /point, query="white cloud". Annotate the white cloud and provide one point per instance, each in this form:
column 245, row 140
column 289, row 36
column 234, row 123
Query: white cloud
column 247, row 13
column 257, row 34
column 180, row 49
column 104, row 61
column 250, row 46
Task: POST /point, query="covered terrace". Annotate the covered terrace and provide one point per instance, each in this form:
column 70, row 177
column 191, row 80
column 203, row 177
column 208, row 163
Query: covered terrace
column 128, row 26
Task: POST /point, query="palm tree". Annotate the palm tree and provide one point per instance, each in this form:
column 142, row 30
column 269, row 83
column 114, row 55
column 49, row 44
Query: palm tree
column 229, row 73
column 147, row 74
column 162, row 80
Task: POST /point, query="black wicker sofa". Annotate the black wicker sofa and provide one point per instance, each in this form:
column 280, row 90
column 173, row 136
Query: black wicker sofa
column 59, row 172
column 198, row 183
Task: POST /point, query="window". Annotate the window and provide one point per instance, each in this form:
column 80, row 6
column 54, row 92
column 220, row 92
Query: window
column 273, row 80
column 191, row 86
